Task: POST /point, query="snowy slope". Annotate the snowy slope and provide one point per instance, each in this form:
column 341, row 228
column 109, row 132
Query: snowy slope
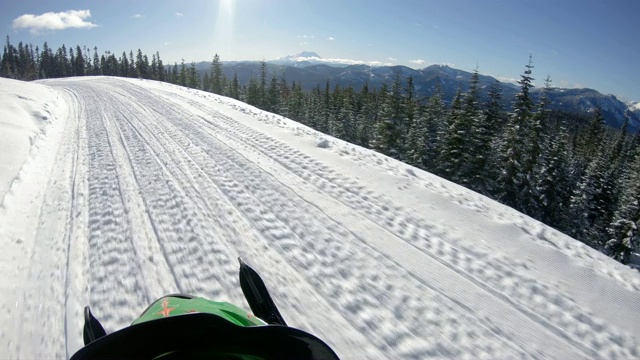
column 140, row 189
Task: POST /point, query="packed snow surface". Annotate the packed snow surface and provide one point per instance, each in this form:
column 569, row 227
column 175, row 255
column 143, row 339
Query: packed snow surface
column 132, row 189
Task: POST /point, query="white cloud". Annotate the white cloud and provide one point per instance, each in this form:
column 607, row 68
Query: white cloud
column 304, row 43
column 571, row 84
column 179, row 14
column 377, row 63
column 341, row 61
column 306, row 36
column 507, row 79
column 392, row 59
column 138, row 16
column 418, row 62
column 54, row 21
column 331, row 38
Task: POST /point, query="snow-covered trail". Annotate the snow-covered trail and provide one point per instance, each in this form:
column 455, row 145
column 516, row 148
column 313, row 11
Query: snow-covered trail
column 155, row 189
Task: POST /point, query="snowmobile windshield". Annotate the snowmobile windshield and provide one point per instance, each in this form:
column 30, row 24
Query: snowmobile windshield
column 177, row 327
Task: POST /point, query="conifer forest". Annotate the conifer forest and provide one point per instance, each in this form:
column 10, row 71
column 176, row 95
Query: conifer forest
column 567, row 170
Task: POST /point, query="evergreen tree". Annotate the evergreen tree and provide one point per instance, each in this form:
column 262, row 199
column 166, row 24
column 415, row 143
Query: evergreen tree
column 416, row 127
column 387, row 135
column 624, row 239
column 591, row 205
column 553, row 181
column 216, row 75
column 206, row 82
column 79, row 63
column 161, row 69
column 624, row 236
column 253, row 93
column 154, row 73
column 263, row 84
column 388, row 138
column 182, row 80
column 96, row 62
column 346, row 115
column 435, row 119
column 124, row 66
column 193, row 80
column 514, row 180
column 273, row 96
column 296, row 103
column 588, row 143
column 336, row 127
column 452, row 157
column 141, row 67
column 235, row 87
column 365, row 117
column 133, row 71
column 477, row 147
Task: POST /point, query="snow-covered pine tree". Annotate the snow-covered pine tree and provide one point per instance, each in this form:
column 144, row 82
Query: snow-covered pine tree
column 624, row 235
column 479, row 138
column 435, row 119
column 417, row 130
column 493, row 127
column 193, row 79
column 453, row 154
column 346, row 115
column 273, row 96
column 390, row 133
column 365, row 117
column 216, row 75
column 161, row 71
column 513, row 155
column 234, row 90
column 387, row 136
column 553, row 181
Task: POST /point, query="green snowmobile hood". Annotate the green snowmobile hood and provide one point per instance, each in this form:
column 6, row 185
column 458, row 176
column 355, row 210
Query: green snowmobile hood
column 181, row 327
column 173, row 305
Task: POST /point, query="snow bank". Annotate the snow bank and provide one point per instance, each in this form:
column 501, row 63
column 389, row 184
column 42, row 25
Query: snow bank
column 26, row 109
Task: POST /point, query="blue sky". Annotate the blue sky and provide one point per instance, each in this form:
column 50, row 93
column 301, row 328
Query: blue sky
column 579, row 43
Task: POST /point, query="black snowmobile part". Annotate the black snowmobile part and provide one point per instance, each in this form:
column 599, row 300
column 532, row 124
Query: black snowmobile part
column 257, row 295
column 92, row 330
column 205, row 336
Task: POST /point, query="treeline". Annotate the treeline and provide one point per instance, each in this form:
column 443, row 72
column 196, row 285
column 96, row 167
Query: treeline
column 569, row 171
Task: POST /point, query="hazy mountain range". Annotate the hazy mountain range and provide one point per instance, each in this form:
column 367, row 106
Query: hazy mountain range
column 310, row 70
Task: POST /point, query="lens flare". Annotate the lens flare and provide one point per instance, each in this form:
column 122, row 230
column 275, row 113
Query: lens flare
column 223, row 27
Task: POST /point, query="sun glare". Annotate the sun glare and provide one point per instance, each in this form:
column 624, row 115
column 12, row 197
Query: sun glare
column 223, row 27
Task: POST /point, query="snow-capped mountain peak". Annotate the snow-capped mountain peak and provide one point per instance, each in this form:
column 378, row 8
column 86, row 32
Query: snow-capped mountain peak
column 305, row 54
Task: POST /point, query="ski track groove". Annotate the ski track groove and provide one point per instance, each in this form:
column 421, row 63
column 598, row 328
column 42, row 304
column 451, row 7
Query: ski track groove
column 112, row 251
column 579, row 329
column 204, row 279
column 68, row 237
column 78, row 290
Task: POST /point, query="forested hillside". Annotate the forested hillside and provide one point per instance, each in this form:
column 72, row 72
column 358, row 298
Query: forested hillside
column 568, row 171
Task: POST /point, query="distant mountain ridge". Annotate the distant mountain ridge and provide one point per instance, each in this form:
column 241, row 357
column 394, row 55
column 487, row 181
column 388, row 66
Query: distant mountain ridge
column 310, row 70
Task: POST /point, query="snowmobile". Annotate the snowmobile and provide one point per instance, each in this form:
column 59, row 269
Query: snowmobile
column 182, row 326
